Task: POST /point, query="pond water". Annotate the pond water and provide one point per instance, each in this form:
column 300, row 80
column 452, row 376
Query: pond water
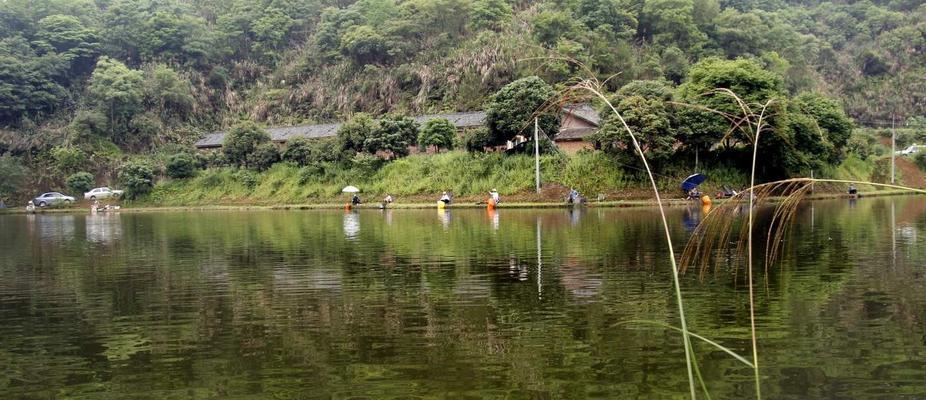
column 458, row 304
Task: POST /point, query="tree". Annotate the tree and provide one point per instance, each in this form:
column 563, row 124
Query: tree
column 264, row 156
column 13, row 172
column 137, row 178
column 298, row 151
column 353, row 134
column 610, row 16
column 364, row 45
column 118, row 90
column 181, row 166
column 242, row 140
column 80, row 183
column 671, row 22
column 68, row 160
column 550, row 26
column 489, row 14
column 166, row 91
column 393, row 135
column 70, row 38
column 29, row 83
column 829, row 117
column 334, row 22
column 511, row 111
column 644, row 107
column 746, row 78
column 476, row 140
column 438, row 132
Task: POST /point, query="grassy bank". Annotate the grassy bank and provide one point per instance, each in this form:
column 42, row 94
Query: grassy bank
column 421, row 178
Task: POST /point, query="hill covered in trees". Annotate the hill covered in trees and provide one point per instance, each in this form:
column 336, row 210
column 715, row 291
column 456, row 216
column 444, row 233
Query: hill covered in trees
column 86, row 82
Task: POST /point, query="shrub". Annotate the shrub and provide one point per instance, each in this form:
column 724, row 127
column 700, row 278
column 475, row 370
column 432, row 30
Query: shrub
column 180, row 166
column 476, row 140
column 68, row 159
column 298, row 151
column 437, row 132
column 137, row 177
column 365, row 163
column 263, row 157
column 80, row 182
column 920, row 160
column 242, row 140
column 248, row 178
column 511, row 110
column 212, row 159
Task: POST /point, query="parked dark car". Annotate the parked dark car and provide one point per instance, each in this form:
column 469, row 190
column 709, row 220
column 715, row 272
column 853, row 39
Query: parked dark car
column 51, row 199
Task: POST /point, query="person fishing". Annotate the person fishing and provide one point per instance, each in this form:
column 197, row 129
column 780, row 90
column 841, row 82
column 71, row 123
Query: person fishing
column 355, row 200
column 495, row 196
column 445, row 198
column 573, row 196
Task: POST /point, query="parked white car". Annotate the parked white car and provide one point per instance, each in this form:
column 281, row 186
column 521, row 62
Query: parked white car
column 102, row 193
column 913, row 149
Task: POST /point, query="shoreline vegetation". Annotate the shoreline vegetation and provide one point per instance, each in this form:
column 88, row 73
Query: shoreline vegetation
column 469, row 205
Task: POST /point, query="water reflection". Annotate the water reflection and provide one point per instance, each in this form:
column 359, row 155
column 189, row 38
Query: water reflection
column 276, row 305
column 444, row 216
column 351, row 225
column 55, row 227
column 103, row 227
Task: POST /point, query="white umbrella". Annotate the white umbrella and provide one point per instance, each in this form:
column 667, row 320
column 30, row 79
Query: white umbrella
column 351, row 189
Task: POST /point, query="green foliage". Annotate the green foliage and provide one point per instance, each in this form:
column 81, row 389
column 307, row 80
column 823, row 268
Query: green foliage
column 365, row 164
column 298, row 151
column 353, row 134
column 68, row 160
column 181, row 166
column 512, row 110
column 829, row 118
column 920, row 160
column 242, row 140
column 263, row 156
column 80, row 183
column 168, row 93
column 476, row 140
column 438, row 132
column 551, row 25
column 137, row 178
column 117, row 90
column 364, row 45
column 392, row 135
column 29, row 82
column 651, row 122
column 13, row 172
column 489, row 14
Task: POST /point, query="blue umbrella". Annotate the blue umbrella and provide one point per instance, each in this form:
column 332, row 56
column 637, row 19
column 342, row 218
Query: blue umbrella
column 693, row 181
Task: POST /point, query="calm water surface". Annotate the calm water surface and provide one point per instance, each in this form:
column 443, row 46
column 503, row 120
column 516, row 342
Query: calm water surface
column 460, row 304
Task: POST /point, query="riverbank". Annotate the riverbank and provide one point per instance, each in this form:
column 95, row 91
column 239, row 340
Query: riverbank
column 643, row 203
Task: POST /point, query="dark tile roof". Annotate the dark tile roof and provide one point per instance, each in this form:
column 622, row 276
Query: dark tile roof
column 574, row 134
column 282, row 134
column 584, row 111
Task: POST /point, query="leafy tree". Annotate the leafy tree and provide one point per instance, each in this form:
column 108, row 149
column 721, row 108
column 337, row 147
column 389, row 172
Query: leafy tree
column 332, row 26
column 672, row 22
column 270, row 31
column 181, row 166
column 68, row 160
column 242, row 140
column 675, row 64
column 438, row 132
column 364, row 45
column 29, row 83
column 392, row 135
column 118, row 90
column 298, row 151
column 476, row 140
column 353, row 134
column 166, row 91
column 137, row 178
column 609, row 15
column 152, row 30
column 489, row 14
column 264, row 156
column 511, row 111
column 13, row 172
column 80, row 183
column 551, row 25
column 644, row 107
column 746, row 78
column 68, row 36
column 829, row 118
column 365, row 164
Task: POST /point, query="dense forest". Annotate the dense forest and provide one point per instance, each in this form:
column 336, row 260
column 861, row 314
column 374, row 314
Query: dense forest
column 85, row 83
